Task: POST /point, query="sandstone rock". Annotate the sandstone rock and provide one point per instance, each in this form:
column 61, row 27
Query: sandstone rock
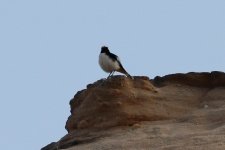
column 169, row 112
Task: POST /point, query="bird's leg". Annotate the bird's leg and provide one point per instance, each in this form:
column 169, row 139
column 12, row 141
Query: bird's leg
column 110, row 74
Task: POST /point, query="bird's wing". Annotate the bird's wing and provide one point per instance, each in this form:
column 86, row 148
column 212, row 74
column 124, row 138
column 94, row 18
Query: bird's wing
column 114, row 57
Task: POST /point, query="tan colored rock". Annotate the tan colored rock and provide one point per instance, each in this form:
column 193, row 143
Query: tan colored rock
column 180, row 111
column 114, row 102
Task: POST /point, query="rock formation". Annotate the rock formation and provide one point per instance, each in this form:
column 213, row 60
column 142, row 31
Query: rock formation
column 176, row 111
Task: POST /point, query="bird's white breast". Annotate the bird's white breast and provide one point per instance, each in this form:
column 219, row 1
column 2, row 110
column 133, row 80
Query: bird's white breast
column 107, row 64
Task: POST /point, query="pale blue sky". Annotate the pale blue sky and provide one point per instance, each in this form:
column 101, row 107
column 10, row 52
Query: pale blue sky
column 49, row 50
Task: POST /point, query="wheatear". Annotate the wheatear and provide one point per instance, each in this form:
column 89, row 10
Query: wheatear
column 110, row 62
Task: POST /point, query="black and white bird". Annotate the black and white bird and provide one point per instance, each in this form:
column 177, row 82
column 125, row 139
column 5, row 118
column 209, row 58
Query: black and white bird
column 110, row 62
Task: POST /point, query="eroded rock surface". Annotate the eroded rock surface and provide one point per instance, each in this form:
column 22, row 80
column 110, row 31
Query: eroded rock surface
column 176, row 111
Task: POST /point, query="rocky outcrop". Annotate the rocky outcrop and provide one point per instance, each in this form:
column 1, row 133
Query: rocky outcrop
column 120, row 109
column 204, row 79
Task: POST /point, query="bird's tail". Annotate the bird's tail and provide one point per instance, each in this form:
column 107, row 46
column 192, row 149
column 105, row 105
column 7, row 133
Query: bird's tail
column 122, row 70
column 128, row 75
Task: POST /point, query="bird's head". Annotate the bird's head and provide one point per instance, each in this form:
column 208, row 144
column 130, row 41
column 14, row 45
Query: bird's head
column 104, row 49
